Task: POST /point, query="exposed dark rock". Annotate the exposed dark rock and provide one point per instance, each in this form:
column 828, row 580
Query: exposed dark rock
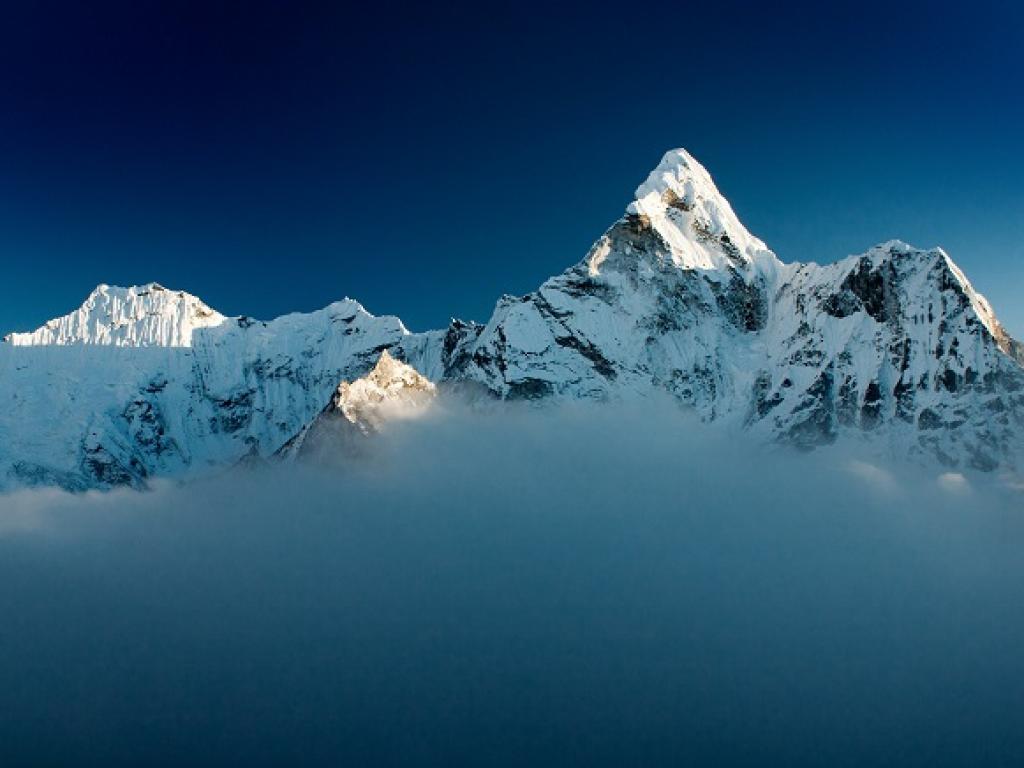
column 145, row 425
column 670, row 198
column 847, row 404
column 948, row 380
column 588, row 350
column 764, row 400
column 871, row 408
column 818, row 427
column 31, row 474
column 579, row 285
column 744, row 304
column 233, row 413
column 529, row 389
column 100, row 465
column 869, row 288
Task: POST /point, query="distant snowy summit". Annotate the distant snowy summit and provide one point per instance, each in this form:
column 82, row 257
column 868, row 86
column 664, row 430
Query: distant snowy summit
column 142, row 316
column 892, row 348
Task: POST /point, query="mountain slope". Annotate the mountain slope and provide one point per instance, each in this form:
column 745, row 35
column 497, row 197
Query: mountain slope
column 893, row 347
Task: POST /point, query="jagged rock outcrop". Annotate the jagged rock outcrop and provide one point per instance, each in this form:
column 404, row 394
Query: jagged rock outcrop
column 392, row 391
column 893, row 347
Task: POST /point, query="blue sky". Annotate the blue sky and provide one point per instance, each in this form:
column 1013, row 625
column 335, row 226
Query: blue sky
column 425, row 160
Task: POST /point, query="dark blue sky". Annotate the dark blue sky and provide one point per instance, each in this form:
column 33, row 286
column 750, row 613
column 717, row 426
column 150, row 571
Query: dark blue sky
column 272, row 158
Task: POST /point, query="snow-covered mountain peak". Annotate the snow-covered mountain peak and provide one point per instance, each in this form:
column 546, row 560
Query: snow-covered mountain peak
column 391, row 390
column 139, row 316
column 359, row 409
column 928, row 272
column 679, row 201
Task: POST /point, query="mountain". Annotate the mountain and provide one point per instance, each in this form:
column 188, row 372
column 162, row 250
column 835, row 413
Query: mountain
column 392, row 391
column 150, row 316
column 677, row 295
column 893, row 348
column 85, row 411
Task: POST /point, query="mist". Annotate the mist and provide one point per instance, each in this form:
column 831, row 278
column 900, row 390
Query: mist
column 594, row 585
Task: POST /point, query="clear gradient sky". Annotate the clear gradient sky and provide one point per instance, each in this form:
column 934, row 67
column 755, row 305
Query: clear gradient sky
column 424, row 160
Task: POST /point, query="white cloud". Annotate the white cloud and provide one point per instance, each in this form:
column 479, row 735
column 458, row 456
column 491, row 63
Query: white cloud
column 954, row 482
column 874, row 477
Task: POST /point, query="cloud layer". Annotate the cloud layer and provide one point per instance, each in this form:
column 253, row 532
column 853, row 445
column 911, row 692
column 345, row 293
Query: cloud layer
column 590, row 586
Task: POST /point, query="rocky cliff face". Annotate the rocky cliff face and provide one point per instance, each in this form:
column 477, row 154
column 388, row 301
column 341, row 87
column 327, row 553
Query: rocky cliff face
column 893, row 347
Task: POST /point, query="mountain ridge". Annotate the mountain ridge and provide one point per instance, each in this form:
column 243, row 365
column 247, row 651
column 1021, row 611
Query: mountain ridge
column 893, row 345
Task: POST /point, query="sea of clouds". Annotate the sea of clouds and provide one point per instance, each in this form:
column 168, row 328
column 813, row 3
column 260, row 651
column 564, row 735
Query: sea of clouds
column 594, row 585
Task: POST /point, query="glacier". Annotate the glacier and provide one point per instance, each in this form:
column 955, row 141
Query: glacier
column 893, row 349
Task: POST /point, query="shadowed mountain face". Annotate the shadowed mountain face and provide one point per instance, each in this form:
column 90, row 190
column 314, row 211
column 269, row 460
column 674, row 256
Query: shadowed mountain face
column 893, row 347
